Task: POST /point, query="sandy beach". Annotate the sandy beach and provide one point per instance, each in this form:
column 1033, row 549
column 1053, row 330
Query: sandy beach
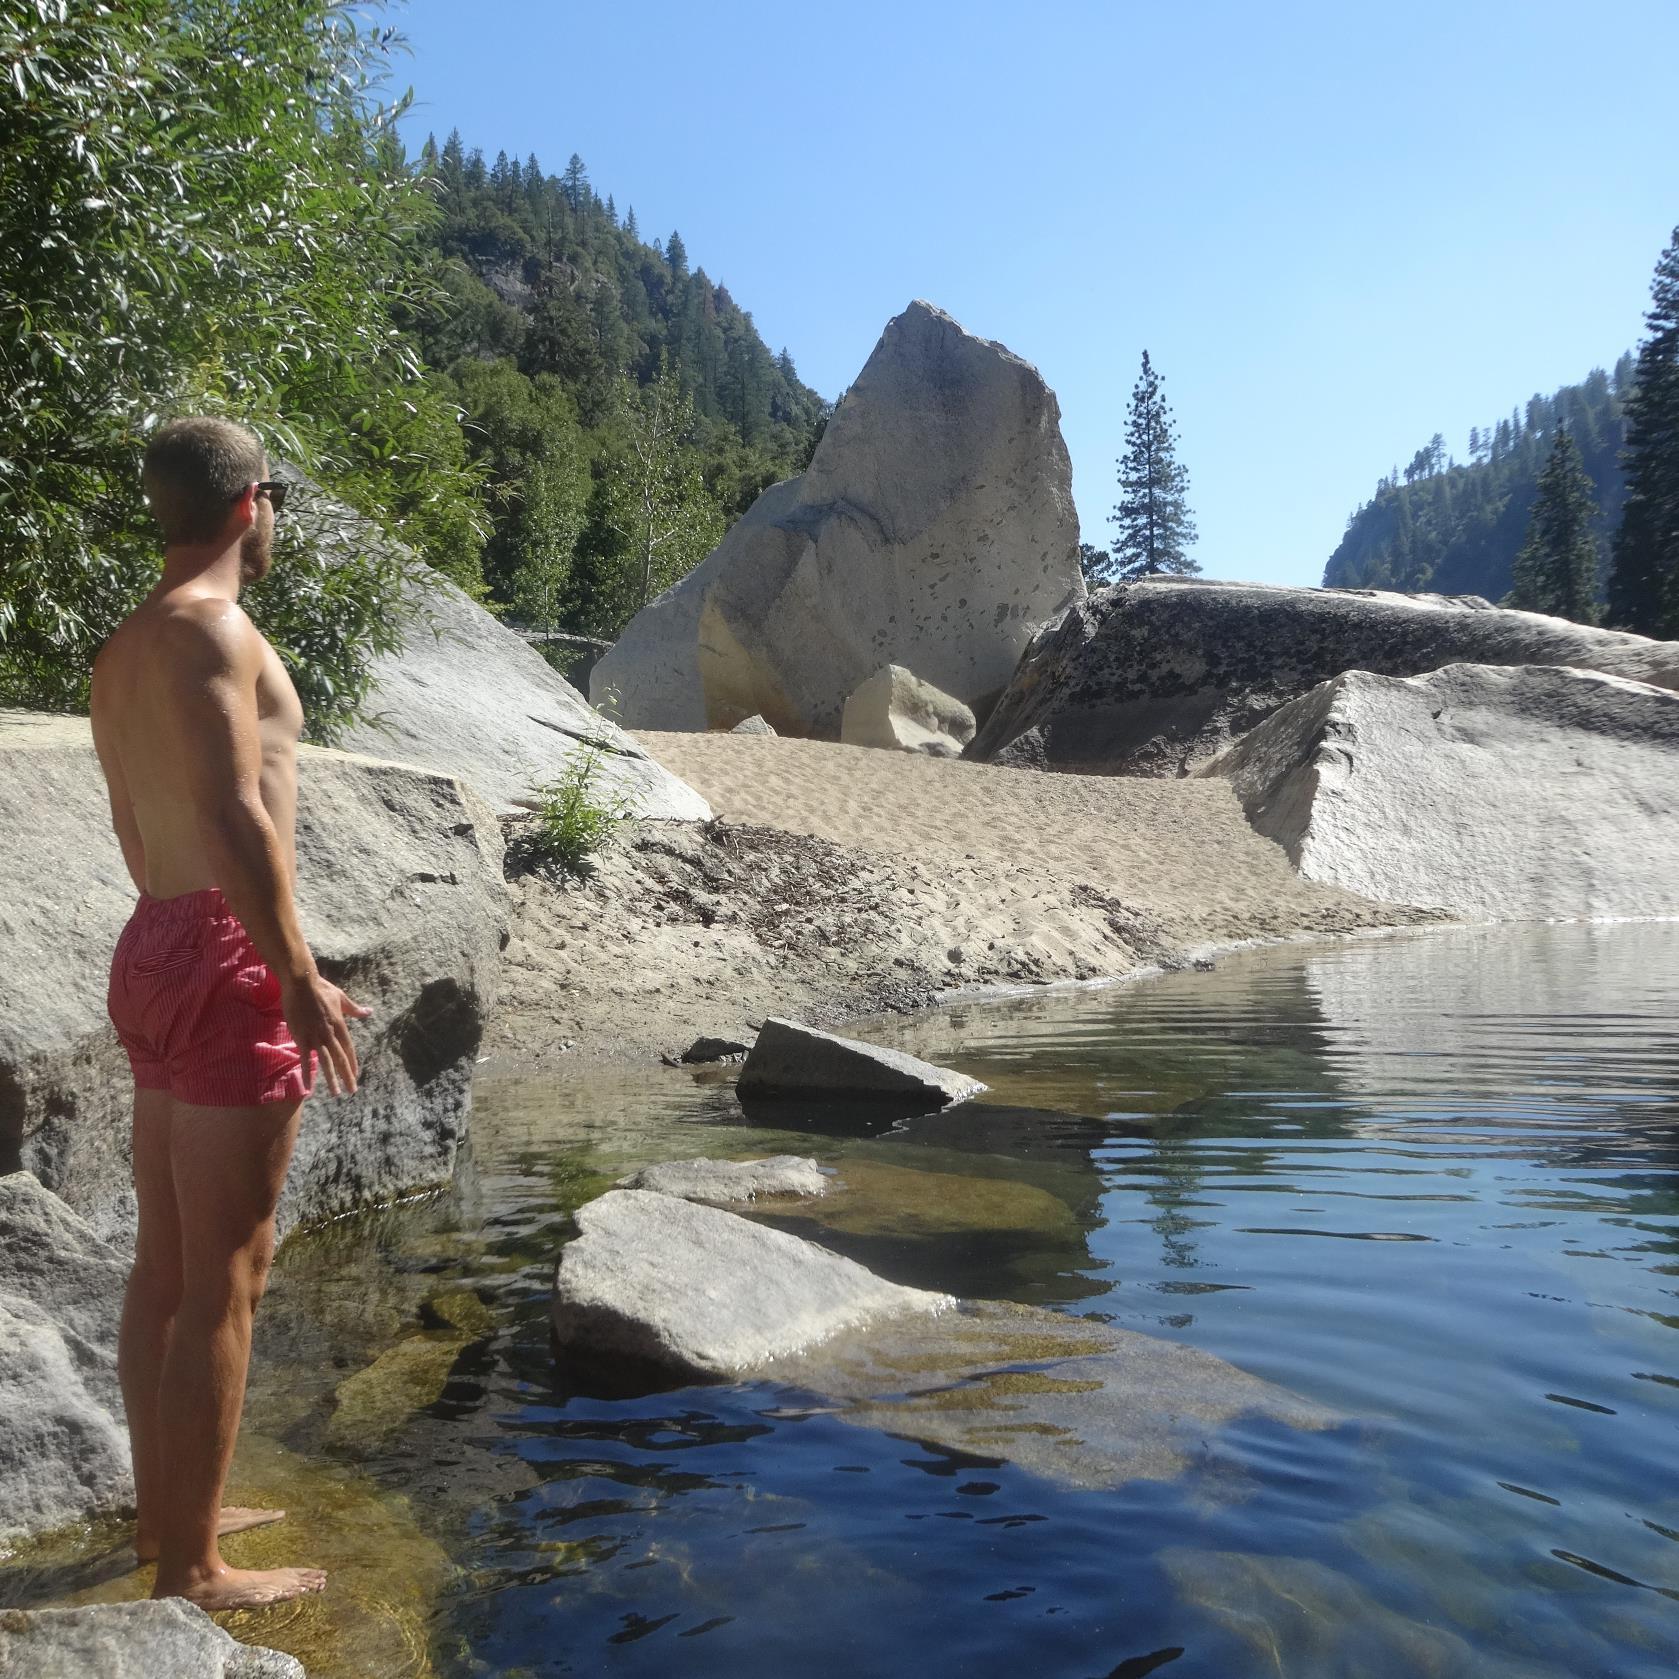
column 838, row 880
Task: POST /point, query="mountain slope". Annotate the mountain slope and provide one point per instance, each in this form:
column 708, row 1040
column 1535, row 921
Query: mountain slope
column 1456, row 527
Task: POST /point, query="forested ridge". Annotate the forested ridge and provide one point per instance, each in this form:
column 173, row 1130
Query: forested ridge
column 1455, row 527
column 613, row 395
column 208, row 209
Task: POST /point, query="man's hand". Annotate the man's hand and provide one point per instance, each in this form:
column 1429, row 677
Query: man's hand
column 319, row 1015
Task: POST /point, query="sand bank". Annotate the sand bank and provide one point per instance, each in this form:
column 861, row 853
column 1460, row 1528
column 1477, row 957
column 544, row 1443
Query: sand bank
column 840, row 880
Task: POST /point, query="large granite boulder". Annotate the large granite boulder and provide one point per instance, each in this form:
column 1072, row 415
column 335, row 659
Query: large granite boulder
column 63, row 1444
column 665, row 1291
column 467, row 696
column 897, row 711
column 167, row 1639
column 934, row 528
column 1154, row 677
column 403, row 901
column 1524, row 793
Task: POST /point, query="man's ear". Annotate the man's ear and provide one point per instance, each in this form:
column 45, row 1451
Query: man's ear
column 244, row 513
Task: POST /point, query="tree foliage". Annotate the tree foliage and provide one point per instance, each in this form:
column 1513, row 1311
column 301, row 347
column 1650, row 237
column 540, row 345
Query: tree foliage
column 1644, row 585
column 1556, row 570
column 1457, row 526
column 204, row 209
column 1153, row 528
column 545, row 282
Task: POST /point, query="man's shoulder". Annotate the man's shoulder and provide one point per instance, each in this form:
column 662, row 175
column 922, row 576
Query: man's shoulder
column 207, row 631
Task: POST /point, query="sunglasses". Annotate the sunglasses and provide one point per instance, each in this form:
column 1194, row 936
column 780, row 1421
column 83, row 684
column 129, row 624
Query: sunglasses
column 274, row 488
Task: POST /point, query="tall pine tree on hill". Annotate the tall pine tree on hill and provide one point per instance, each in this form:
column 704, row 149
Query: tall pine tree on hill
column 1152, row 523
column 1556, row 570
column 1644, row 586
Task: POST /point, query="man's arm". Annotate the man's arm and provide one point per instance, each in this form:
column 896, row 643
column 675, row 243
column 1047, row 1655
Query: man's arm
column 215, row 656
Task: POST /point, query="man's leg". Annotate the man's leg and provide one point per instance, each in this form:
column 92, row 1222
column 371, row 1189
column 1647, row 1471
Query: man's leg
column 227, row 1167
column 148, row 1313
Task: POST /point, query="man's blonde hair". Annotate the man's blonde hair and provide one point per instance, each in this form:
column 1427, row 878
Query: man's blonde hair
column 194, row 472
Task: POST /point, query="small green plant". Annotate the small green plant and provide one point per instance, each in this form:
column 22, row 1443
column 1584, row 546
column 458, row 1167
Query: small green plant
column 576, row 816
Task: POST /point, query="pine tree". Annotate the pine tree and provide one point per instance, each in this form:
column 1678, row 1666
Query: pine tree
column 676, row 254
column 1644, row 586
column 575, row 183
column 1556, row 570
column 1152, row 522
column 631, row 230
column 1097, row 564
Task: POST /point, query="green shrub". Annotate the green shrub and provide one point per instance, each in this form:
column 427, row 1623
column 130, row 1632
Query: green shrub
column 577, row 817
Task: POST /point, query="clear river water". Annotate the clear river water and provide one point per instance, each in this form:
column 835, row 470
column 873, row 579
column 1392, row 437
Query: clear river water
column 1429, row 1182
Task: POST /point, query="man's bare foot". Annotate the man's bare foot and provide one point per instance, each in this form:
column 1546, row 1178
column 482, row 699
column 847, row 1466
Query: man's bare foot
column 235, row 1518
column 244, row 1588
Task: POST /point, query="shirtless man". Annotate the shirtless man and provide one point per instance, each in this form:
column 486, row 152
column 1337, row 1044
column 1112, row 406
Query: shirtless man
column 213, row 992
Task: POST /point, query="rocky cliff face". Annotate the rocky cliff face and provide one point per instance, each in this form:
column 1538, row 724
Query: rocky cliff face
column 403, row 901
column 934, row 529
column 1154, row 677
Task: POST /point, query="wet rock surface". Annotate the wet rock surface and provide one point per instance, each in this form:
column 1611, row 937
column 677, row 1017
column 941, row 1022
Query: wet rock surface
column 170, row 1639
column 731, row 1180
column 1155, row 677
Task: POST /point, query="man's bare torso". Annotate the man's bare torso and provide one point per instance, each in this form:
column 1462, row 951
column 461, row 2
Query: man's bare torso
column 140, row 747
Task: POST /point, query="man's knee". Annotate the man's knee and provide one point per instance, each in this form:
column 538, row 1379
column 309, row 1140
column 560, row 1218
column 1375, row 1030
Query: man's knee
column 240, row 1280
column 156, row 1276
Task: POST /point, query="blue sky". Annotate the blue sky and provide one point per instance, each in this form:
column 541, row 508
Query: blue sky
column 1336, row 228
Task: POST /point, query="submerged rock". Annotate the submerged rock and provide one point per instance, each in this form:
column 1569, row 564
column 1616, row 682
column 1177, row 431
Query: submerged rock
column 1155, row 677
column 402, row 898
column 1080, row 1402
column 63, row 1442
column 1517, row 793
column 168, row 1639
column 792, row 1060
column 896, row 710
column 731, row 1180
column 1292, row 1615
column 934, row 528
column 657, row 1290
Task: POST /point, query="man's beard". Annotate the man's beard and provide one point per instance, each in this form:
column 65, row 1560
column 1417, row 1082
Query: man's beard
column 256, row 553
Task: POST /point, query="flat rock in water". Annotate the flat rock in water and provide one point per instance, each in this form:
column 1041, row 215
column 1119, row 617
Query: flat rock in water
column 63, row 1443
column 657, row 1289
column 1157, row 676
column 168, row 1639
column 402, row 898
column 1079, row 1402
column 1516, row 793
column 934, row 528
column 731, row 1180
column 792, row 1060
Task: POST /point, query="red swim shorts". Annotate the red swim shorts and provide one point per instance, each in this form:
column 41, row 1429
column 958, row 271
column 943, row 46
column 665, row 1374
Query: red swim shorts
column 198, row 1010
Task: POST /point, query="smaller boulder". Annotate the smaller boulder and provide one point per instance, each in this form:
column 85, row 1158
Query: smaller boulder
column 753, row 725
column 132, row 1641
column 654, row 1291
column 792, row 1060
column 895, row 709
column 731, row 1180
